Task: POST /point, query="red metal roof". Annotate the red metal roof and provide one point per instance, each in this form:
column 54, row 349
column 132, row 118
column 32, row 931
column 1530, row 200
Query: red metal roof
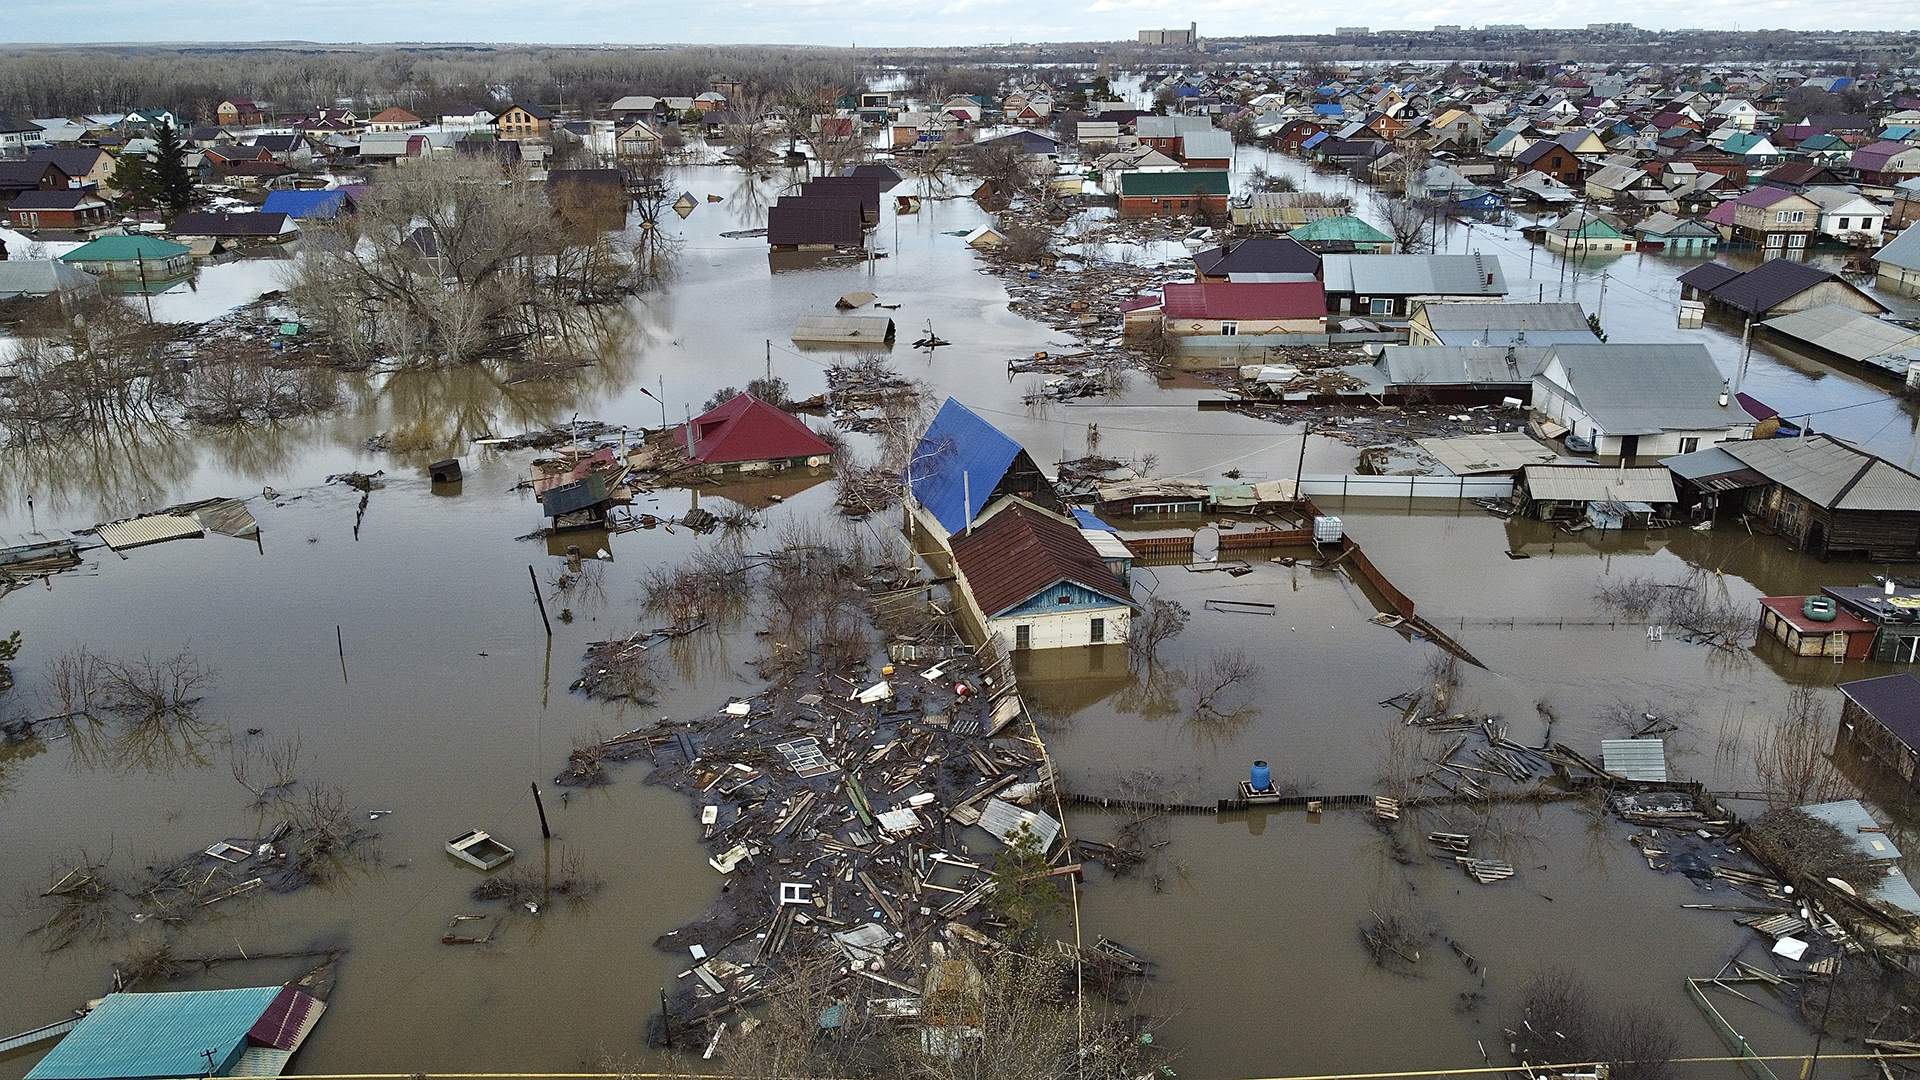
column 1021, row 551
column 745, row 428
column 1245, row 300
column 1793, row 610
column 287, row 1020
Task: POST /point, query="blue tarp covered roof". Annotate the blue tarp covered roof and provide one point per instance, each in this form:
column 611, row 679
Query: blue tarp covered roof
column 1087, row 519
column 305, row 204
column 957, row 464
column 147, row 1036
column 1333, row 109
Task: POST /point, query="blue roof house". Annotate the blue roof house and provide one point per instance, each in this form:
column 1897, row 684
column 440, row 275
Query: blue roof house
column 963, row 463
column 132, row 1036
column 317, row 205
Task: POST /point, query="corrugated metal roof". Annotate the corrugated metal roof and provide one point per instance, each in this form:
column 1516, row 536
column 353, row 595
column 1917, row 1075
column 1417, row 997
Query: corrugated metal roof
column 1461, row 365
column 1252, row 301
column 1831, row 473
column 1003, row 819
column 1414, row 275
column 1207, row 145
column 1020, row 552
column 1902, row 251
column 152, row 529
column 1495, row 452
column 42, row 277
column 1635, row 759
column 1529, row 318
column 1845, row 332
column 1591, row 483
column 1713, row 469
column 1868, row 837
column 744, row 428
column 1897, row 892
column 153, row 1036
column 863, row 329
column 1647, row 389
column 957, row 464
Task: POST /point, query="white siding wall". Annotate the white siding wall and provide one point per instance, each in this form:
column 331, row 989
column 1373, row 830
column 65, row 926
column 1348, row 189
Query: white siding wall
column 1067, row 630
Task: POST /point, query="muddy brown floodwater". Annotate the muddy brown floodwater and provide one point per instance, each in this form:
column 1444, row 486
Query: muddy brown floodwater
column 452, row 699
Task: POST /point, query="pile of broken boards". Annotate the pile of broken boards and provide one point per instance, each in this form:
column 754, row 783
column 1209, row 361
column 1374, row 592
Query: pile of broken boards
column 1694, row 837
column 855, row 823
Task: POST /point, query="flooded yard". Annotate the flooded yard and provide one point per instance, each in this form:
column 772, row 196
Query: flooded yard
column 409, row 661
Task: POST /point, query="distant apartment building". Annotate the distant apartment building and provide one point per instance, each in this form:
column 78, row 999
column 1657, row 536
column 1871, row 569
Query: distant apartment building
column 1351, row 31
column 1506, row 28
column 1189, row 36
column 1446, row 28
column 1609, row 27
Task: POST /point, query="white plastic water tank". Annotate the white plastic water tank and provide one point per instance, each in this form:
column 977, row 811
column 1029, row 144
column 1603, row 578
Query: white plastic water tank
column 1327, row 530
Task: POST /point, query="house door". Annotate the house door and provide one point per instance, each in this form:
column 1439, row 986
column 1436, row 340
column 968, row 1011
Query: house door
column 1629, row 447
column 1023, row 636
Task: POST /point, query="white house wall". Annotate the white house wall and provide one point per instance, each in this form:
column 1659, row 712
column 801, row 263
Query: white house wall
column 1068, row 630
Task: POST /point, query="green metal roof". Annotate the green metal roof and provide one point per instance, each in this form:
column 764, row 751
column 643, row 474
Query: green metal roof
column 1340, row 227
column 126, row 249
column 1207, row 181
column 152, row 1036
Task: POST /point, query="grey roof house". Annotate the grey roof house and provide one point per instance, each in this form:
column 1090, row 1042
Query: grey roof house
column 1638, row 400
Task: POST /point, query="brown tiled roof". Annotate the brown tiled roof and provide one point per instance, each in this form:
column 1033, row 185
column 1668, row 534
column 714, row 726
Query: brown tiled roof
column 1020, row 551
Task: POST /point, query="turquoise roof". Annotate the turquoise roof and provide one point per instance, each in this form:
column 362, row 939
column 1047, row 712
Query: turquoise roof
column 126, row 249
column 154, row 1036
column 1340, row 227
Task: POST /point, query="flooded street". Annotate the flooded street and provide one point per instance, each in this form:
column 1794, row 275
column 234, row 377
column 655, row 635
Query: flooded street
column 441, row 698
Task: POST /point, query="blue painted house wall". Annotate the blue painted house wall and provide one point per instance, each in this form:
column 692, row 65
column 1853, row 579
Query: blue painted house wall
column 1048, row 601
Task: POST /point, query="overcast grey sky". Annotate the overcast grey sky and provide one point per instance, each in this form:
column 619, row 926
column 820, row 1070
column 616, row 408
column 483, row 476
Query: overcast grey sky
column 865, row 22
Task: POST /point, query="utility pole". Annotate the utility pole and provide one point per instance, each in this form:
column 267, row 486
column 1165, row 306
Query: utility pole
column 1600, row 309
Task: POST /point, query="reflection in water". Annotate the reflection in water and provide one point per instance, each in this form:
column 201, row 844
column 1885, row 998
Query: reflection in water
column 157, row 744
column 101, row 472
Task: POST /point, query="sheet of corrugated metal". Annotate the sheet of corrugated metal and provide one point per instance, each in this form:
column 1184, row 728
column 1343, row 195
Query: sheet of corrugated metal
column 1635, row 759
column 152, row 529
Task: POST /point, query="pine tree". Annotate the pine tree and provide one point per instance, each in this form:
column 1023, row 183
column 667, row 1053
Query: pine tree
column 172, row 183
column 132, row 182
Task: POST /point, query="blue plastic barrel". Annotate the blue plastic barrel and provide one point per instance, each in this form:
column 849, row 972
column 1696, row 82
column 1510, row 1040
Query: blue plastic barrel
column 1262, row 776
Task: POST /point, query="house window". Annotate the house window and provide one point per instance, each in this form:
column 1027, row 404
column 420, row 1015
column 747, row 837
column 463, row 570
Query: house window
column 1023, row 636
column 1097, row 631
column 1065, row 598
column 1380, row 305
column 1229, row 329
column 1689, row 444
column 1843, row 223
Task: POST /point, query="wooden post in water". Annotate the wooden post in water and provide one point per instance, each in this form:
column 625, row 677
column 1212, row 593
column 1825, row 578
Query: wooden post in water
column 538, row 599
column 666, row 1020
column 545, row 833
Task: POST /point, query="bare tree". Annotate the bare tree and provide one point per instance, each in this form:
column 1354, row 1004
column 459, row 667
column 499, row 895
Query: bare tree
column 1157, row 622
column 1792, row 760
column 1214, row 680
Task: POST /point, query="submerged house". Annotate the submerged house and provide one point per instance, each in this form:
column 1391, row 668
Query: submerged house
column 745, row 434
column 963, row 463
column 251, row 1031
column 1435, row 323
column 1606, row 498
column 1634, row 400
column 1033, row 581
column 1880, row 721
column 1775, row 287
column 131, row 258
column 1389, row 285
column 1822, row 495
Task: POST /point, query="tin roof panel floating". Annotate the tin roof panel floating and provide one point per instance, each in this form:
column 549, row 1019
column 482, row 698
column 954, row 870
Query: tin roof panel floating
column 1635, row 759
column 152, row 529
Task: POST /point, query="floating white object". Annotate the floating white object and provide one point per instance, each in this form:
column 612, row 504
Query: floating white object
column 879, row 691
column 1790, row 947
column 730, row 858
column 738, row 708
